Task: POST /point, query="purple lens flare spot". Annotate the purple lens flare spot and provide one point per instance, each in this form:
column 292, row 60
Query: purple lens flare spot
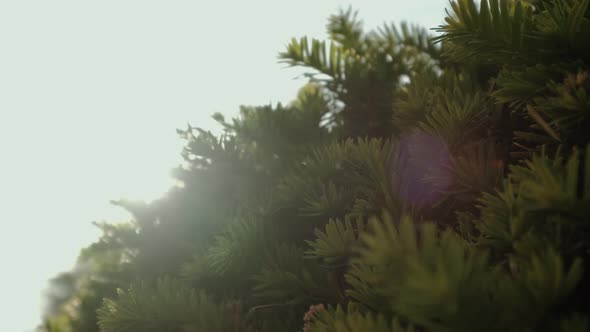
column 423, row 167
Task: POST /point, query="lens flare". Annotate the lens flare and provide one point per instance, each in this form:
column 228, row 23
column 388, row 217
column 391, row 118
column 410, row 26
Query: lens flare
column 423, row 167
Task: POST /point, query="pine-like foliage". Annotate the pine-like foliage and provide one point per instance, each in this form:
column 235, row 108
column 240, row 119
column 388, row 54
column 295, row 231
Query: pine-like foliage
column 417, row 183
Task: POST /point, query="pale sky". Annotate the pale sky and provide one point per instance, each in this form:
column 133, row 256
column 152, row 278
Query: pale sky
column 91, row 94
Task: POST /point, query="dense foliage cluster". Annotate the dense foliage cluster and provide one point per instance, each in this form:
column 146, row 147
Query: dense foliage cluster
column 414, row 184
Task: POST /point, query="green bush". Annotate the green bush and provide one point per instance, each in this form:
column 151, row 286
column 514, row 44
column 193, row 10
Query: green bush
column 415, row 184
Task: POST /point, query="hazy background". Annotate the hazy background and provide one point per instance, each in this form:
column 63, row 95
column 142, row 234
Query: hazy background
column 91, row 93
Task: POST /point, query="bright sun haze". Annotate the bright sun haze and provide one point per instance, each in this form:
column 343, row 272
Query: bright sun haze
column 91, row 95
